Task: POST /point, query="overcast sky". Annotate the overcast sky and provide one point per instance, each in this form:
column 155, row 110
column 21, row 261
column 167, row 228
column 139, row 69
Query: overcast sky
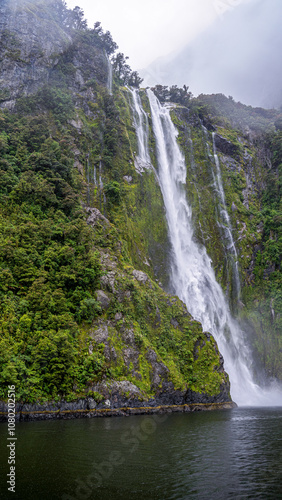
column 148, row 29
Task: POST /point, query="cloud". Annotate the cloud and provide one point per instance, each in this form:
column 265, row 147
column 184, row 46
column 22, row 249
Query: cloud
column 238, row 55
column 152, row 28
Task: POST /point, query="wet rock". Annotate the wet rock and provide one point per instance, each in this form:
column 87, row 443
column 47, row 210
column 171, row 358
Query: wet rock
column 109, row 281
column 128, row 337
column 159, row 370
column 103, row 299
column 131, row 355
column 77, row 124
column 127, row 178
column 140, row 276
column 90, row 348
column 157, row 317
column 79, row 166
column 226, row 147
column 108, row 262
column 100, row 335
column 91, row 404
column 174, row 323
column 110, row 353
column 95, row 217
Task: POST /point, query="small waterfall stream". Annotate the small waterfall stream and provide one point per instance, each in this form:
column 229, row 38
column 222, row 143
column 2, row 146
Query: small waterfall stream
column 140, row 120
column 95, row 176
column 110, row 75
column 192, row 275
column 225, row 224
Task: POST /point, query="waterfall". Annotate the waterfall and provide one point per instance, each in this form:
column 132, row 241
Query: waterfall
column 225, row 224
column 100, row 175
column 94, row 176
column 192, row 275
column 140, row 120
column 88, row 179
column 110, row 75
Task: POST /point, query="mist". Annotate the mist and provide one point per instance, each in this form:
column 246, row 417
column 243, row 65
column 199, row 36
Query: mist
column 238, row 55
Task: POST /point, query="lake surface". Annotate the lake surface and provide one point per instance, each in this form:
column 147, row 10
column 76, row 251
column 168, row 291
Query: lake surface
column 232, row 454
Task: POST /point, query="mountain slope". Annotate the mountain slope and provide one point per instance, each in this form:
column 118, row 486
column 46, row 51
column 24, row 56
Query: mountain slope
column 78, row 321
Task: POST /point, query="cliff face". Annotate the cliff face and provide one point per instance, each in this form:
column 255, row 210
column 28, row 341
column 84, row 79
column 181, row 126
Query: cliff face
column 37, row 38
column 84, row 243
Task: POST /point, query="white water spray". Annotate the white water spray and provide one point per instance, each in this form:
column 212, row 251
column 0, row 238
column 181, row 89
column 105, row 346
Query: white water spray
column 192, row 276
column 140, row 120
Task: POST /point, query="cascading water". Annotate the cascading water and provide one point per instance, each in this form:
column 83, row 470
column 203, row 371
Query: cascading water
column 140, row 119
column 223, row 220
column 110, row 76
column 226, row 225
column 95, row 176
column 192, row 276
column 100, row 175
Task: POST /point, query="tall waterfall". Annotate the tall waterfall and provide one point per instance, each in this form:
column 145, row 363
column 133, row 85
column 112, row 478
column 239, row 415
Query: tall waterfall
column 140, row 119
column 192, row 276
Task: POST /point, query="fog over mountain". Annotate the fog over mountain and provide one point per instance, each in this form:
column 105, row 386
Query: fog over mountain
column 239, row 55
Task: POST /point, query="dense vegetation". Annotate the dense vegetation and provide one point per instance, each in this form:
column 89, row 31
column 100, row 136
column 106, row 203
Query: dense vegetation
column 49, row 266
column 51, row 270
column 54, row 146
column 238, row 115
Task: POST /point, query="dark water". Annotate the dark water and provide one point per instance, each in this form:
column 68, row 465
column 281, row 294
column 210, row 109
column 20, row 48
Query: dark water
column 233, row 454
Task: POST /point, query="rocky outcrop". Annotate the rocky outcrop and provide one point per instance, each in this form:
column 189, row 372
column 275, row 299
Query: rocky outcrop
column 226, row 147
column 36, row 42
column 121, row 398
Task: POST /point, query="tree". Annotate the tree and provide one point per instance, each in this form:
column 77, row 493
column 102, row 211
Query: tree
column 76, row 19
column 172, row 94
column 135, row 80
column 121, row 68
column 106, row 39
column 161, row 92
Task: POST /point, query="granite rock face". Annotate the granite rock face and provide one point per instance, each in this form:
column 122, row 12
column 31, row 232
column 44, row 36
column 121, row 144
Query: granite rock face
column 35, row 41
column 226, row 147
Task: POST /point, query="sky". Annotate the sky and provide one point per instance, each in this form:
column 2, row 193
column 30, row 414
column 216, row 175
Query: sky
column 238, row 55
column 148, row 29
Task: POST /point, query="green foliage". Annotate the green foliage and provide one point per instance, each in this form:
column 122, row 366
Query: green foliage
column 49, row 265
column 240, row 116
column 105, row 39
column 123, row 71
column 112, row 191
column 172, row 94
column 58, row 101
